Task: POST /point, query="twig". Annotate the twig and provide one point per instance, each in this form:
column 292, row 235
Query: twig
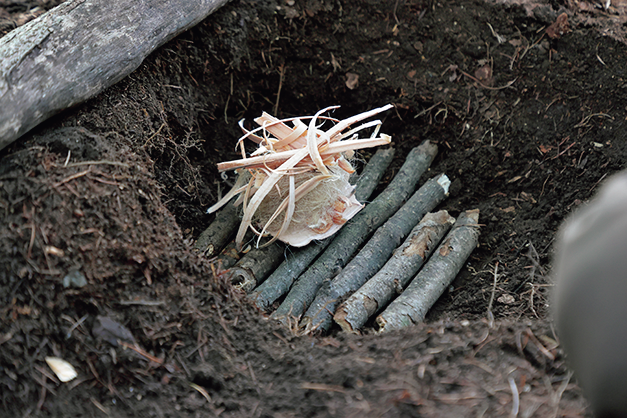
column 425, row 289
column 201, row 390
column 356, row 231
column 101, row 162
column 68, row 334
column 99, row 406
column 490, row 314
column 256, row 265
column 396, row 273
column 140, row 351
column 283, row 277
column 509, row 83
column 72, row 177
column 374, row 254
column 278, row 93
column 322, row 387
column 141, row 302
column 211, row 241
column 586, row 119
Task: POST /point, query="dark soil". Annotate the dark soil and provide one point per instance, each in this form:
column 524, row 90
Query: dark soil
column 527, row 128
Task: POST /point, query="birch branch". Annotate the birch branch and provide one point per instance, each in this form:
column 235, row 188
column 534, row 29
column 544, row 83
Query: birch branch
column 356, row 231
column 395, row 274
column 374, row 255
column 425, row 289
column 283, row 277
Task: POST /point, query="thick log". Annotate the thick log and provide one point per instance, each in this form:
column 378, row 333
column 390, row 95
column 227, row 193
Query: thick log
column 78, row 49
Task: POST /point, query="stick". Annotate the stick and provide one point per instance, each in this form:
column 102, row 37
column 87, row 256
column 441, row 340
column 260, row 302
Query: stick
column 396, row 274
column 228, row 257
column 283, row 277
column 412, row 305
column 216, row 236
column 373, row 256
column 356, row 231
column 256, row 265
column 78, row 49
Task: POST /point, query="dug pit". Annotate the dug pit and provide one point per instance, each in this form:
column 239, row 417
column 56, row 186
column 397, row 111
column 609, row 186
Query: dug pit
column 114, row 192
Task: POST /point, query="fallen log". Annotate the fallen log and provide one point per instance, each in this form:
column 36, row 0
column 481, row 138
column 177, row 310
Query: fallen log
column 283, row 277
column 355, row 232
column 426, row 288
column 395, row 274
column 78, row 49
column 374, row 255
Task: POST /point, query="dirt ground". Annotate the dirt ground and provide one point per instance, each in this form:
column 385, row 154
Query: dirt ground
column 527, row 126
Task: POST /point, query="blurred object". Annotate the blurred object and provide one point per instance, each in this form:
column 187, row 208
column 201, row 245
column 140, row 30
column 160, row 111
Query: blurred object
column 590, row 298
column 74, row 279
column 64, row 370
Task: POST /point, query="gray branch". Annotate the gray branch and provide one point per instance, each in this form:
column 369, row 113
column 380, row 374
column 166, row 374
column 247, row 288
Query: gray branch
column 377, row 292
column 426, row 288
column 356, row 231
column 373, row 256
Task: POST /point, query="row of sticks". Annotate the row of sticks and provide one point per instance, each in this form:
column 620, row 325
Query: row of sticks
column 326, row 282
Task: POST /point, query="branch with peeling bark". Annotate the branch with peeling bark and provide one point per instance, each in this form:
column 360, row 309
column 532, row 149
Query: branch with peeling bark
column 318, row 318
column 425, row 289
column 78, row 49
column 395, row 274
column 356, row 232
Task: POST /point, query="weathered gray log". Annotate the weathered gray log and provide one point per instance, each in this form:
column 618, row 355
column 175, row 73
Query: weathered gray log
column 78, row 49
column 355, row 232
column 395, row 274
column 373, row 256
column 426, row 288
column 283, row 277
